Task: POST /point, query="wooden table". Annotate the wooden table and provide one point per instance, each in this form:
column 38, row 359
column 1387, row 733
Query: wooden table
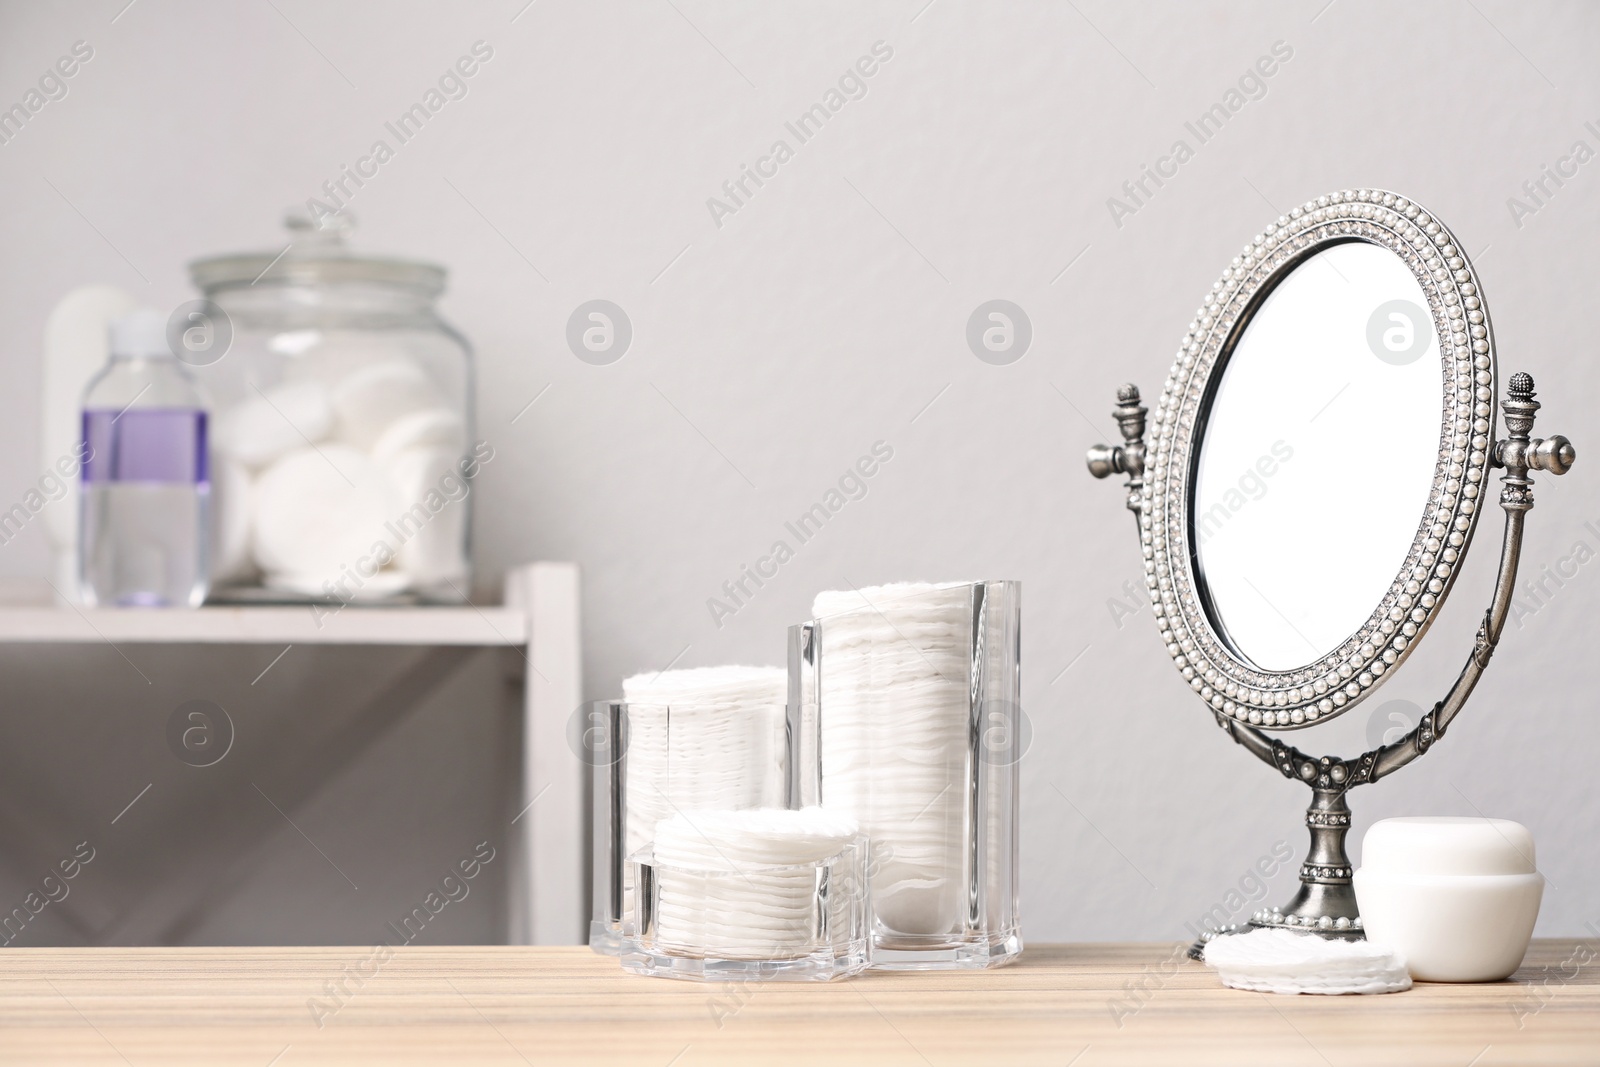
column 1079, row 1005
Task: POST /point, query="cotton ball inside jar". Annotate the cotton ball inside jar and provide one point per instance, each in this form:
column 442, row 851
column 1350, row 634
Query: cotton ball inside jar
column 321, row 510
column 231, row 501
column 432, row 525
column 373, row 399
column 437, row 428
column 269, row 423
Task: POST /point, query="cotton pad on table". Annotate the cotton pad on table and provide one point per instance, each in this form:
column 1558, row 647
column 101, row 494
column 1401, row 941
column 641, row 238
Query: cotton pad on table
column 1279, row 961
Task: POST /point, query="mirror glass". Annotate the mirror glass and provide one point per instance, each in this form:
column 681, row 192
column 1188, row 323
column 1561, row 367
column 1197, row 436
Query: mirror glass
column 1317, row 456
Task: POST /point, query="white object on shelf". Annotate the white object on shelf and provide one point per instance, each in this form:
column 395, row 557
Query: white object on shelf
column 438, row 428
column 370, row 401
column 430, row 552
column 231, row 519
column 261, row 428
column 321, row 511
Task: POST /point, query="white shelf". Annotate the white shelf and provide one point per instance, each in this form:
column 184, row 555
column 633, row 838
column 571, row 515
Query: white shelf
column 539, row 616
column 488, row 626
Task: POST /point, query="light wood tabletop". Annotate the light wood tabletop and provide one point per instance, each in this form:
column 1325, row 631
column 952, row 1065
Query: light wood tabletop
column 1079, row 1005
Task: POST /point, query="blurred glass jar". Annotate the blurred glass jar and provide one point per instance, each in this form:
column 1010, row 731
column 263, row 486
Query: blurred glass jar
column 342, row 448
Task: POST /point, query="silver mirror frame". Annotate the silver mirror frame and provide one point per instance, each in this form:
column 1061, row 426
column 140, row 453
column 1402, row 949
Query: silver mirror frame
column 1246, row 700
column 1334, row 683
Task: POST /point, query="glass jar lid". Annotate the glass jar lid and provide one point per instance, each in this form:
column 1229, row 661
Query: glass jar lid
column 318, row 253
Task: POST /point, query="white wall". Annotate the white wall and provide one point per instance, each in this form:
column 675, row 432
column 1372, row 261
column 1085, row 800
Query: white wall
column 830, row 310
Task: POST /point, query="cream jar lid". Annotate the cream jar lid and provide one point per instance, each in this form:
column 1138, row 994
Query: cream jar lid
column 1447, row 845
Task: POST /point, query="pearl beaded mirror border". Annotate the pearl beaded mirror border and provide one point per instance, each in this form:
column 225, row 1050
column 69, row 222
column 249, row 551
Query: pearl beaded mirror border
column 1337, row 681
column 1244, row 699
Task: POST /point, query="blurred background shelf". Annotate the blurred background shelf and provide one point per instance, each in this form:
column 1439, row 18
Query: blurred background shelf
column 378, row 749
column 482, row 627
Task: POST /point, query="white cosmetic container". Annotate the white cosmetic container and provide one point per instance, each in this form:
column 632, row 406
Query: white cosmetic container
column 1457, row 897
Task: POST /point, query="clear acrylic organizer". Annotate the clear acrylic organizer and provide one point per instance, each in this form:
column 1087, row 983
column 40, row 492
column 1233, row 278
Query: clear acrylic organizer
column 906, row 717
column 649, row 761
column 794, row 923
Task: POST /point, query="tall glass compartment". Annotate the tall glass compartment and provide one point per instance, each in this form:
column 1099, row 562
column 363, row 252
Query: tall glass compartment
column 906, row 702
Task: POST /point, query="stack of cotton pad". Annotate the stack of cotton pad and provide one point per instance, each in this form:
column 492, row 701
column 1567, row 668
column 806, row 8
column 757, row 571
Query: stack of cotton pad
column 894, row 705
column 743, row 884
column 703, row 738
column 1280, row 961
column 320, row 476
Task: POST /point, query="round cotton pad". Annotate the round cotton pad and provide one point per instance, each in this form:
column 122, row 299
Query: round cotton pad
column 318, row 510
column 720, row 840
column 274, row 421
column 372, row 399
column 709, row 685
column 231, row 496
column 437, row 428
column 432, row 542
column 701, row 738
column 1278, row 961
column 743, row 884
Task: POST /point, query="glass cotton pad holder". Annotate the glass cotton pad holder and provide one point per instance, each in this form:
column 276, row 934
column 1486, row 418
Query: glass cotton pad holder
column 649, row 761
column 907, row 719
column 727, row 915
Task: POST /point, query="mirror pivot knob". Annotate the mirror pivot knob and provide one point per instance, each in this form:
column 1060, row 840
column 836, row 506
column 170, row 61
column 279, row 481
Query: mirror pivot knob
column 1105, row 460
column 1553, row 455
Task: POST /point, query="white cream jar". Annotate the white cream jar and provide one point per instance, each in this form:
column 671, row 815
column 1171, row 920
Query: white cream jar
column 1457, row 897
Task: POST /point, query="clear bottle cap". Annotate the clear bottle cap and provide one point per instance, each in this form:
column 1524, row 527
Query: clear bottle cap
column 140, row 334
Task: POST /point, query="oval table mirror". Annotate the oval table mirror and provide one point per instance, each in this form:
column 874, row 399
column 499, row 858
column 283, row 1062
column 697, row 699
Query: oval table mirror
column 1316, row 466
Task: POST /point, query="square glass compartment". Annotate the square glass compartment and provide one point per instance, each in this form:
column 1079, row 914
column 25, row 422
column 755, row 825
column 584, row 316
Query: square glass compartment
column 910, row 723
column 755, row 923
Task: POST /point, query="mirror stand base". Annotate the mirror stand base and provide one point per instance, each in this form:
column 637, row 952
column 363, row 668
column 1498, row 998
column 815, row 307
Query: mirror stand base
column 1326, row 902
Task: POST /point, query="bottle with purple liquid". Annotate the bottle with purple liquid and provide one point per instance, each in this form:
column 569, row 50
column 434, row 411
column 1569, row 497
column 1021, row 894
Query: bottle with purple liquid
column 146, row 478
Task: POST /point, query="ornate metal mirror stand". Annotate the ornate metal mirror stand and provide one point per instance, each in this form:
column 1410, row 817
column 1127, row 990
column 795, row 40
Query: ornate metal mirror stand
column 1246, row 700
